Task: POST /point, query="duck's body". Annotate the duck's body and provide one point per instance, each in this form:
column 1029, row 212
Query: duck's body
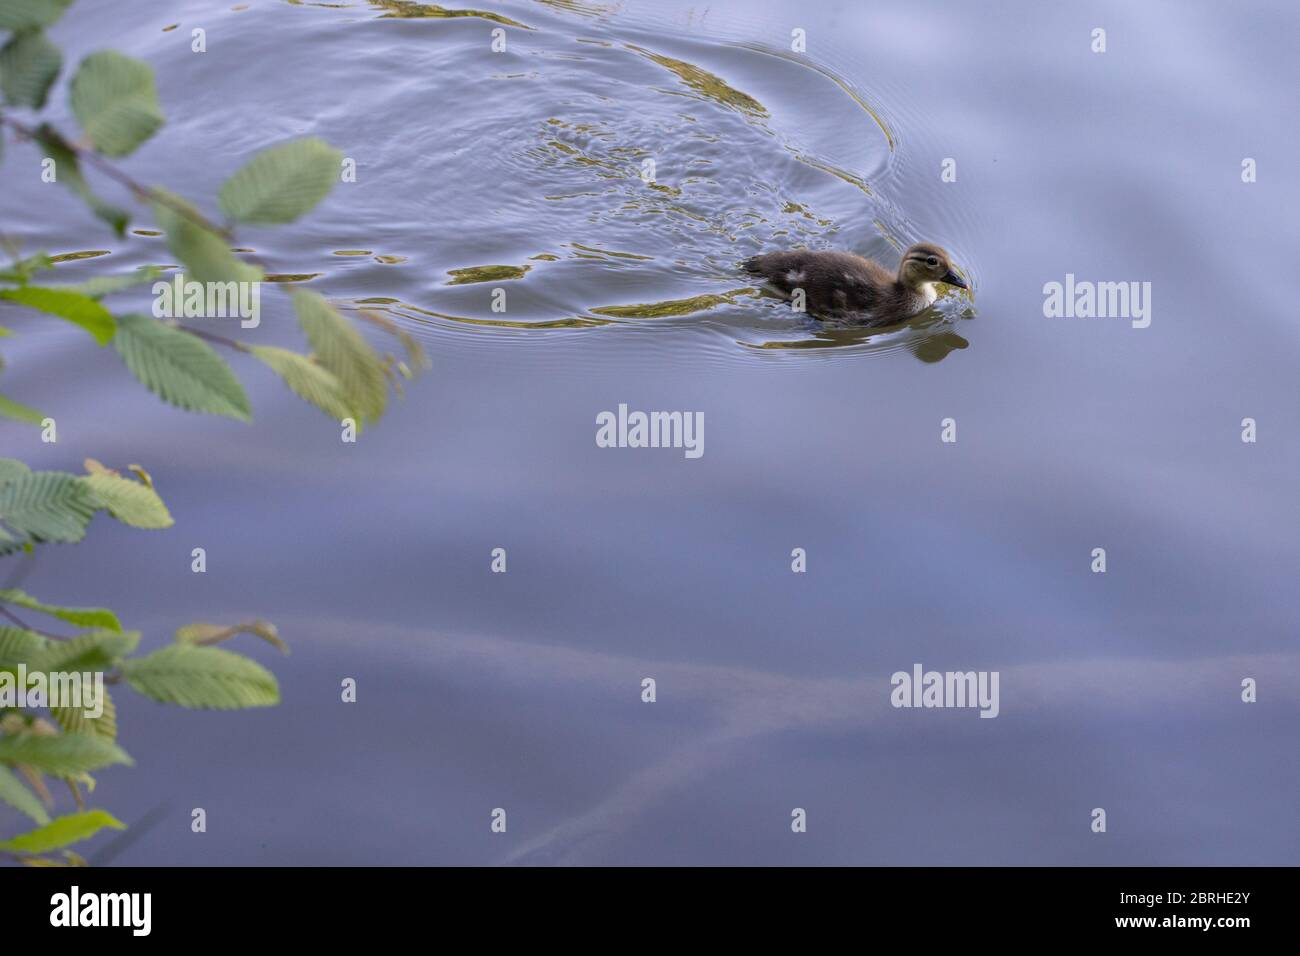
column 843, row 287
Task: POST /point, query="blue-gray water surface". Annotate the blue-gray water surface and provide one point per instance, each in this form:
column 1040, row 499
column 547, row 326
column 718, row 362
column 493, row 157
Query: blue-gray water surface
column 476, row 690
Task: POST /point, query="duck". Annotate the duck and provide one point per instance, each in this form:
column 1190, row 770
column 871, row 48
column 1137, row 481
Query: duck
column 851, row 289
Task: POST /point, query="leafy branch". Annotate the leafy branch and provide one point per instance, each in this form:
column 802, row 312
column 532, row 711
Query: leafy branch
column 115, row 103
column 114, row 100
column 46, row 135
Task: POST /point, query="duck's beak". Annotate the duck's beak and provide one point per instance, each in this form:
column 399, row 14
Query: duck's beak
column 953, row 279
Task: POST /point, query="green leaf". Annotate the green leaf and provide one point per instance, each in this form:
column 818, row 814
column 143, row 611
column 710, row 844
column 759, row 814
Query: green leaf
column 15, row 793
column 29, row 64
column 201, row 677
column 101, row 286
column 96, row 651
column 180, row 368
column 18, row 646
column 96, row 617
column 308, row 380
column 62, row 755
column 74, row 720
column 206, row 255
column 130, row 502
column 78, row 309
column 115, row 101
column 19, row 412
column 342, row 350
column 281, row 183
column 30, row 14
column 68, row 171
column 62, row 832
column 11, row 468
column 48, row 506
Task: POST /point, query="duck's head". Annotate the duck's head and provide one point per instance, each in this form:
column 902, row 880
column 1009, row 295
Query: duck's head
column 925, row 263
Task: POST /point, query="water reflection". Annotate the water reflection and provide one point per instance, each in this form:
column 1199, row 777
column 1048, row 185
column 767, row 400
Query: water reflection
column 929, row 337
column 707, row 85
column 674, row 307
column 474, row 274
column 410, row 10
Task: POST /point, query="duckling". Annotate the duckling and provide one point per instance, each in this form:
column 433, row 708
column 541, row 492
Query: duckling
column 848, row 288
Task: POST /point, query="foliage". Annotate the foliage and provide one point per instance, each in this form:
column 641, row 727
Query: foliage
column 67, row 743
column 114, row 100
column 116, row 105
column 47, row 506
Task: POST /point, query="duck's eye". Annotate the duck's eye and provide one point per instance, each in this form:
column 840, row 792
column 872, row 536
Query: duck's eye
column 932, row 261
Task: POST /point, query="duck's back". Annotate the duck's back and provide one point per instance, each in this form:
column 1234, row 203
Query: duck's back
column 833, row 282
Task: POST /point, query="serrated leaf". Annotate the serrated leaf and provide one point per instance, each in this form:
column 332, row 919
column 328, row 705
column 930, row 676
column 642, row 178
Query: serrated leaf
column 68, row 171
column 30, row 14
column 282, row 183
column 114, row 99
column 19, row 646
column 130, row 502
column 62, row 832
column 97, row 651
column 201, row 677
column 20, row 412
column 76, row 308
column 47, row 505
column 179, row 368
column 11, row 468
column 61, row 755
column 29, row 63
column 74, row 720
column 308, row 380
column 16, row 794
column 206, row 255
column 96, row 617
column 341, row 349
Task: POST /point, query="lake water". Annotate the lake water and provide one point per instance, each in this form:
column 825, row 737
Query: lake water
column 522, row 690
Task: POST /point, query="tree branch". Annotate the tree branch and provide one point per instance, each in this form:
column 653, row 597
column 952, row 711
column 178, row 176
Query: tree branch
column 19, row 621
column 212, row 337
column 138, row 189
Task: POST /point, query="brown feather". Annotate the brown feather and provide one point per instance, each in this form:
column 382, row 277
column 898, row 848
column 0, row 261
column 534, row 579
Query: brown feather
column 839, row 285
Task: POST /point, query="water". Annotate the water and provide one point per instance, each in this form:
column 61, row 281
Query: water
column 522, row 690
